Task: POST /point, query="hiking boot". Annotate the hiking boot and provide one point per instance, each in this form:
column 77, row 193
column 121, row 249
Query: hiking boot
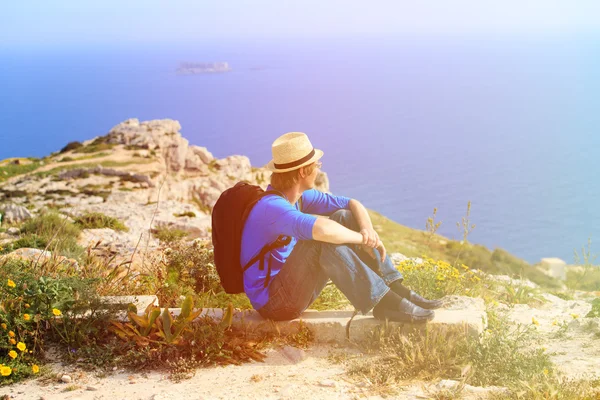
column 423, row 302
column 406, row 312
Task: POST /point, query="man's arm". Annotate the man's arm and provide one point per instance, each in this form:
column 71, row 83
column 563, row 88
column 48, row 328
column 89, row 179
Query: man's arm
column 361, row 215
column 326, row 230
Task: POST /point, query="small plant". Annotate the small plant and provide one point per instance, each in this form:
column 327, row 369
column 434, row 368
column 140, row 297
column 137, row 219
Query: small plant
column 96, row 220
column 189, row 214
column 465, row 227
column 431, row 226
column 520, row 294
column 156, row 327
column 595, row 311
column 169, row 235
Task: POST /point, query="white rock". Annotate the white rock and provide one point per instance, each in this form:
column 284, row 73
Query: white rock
column 13, row 231
column 14, row 214
column 294, row 354
column 66, row 379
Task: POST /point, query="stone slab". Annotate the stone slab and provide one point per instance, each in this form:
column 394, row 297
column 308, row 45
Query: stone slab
column 332, row 326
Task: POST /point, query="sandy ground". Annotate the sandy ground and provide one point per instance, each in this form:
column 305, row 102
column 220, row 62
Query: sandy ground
column 276, row 378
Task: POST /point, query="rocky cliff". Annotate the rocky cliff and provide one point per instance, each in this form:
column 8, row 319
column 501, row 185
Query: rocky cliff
column 143, row 173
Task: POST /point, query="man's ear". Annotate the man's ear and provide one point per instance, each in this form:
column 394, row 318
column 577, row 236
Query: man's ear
column 302, row 172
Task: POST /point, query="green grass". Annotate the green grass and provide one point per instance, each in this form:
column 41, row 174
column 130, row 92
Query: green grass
column 96, row 220
column 9, row 170
column 50, row 228
column 94, row 148
column 417, row 243
column 504, row 356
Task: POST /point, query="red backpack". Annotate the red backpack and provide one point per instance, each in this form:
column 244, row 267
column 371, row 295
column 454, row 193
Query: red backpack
column 228, row 218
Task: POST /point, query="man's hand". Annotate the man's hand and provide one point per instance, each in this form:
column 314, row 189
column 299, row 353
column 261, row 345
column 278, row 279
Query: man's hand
column 380, row 247
column 370, row 237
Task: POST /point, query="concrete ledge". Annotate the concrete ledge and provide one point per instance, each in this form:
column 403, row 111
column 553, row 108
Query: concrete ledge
column 141, row 302
column 459, row 312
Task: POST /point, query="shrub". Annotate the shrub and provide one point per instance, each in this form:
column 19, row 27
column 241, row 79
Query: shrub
column 435, row 279
column 52, row 230
column 187, row 269
column 30, row 303
column 71, row 146
column 168, row 234
column 96, row 220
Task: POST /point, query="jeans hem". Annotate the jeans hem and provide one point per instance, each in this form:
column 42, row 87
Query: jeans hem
column 376, row 301
column 395, row 278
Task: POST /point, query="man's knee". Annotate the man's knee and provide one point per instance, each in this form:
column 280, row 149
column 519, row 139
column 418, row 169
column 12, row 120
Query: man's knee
column 344, row 217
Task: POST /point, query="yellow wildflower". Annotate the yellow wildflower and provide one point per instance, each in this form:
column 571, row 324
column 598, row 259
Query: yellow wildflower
column 27, row 305
column 534, row 321
column 12, row 341
column 3, row 325
column 546, row 372
column 555, row 322
column 10, row 283
column 575, row 316
column 21, row 346
column 5, row 371
column 11, row 334
column 26, row 317
column 56, row 312
column 12, row 354
column 35, row 368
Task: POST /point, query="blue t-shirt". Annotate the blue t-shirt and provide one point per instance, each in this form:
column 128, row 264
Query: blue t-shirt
column 273, row 216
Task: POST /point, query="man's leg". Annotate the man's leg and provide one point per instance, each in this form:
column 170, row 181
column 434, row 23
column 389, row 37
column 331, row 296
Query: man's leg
column 392, row 277
column 364, row 288
column 385, row 269
column 298, row 284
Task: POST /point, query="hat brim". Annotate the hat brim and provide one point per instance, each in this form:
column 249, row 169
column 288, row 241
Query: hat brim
column 271, row 165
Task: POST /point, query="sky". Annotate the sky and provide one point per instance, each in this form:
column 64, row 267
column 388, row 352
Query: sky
column 72, row 22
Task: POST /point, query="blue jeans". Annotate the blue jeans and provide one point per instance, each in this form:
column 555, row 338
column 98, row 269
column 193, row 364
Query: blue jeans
column 362, row 279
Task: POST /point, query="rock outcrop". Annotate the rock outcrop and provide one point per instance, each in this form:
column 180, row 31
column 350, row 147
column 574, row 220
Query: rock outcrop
column 142, row 173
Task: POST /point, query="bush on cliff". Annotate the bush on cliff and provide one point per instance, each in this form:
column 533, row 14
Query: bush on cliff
column 71, row 146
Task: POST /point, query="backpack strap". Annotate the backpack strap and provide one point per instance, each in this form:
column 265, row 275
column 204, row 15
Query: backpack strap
column 281, row 241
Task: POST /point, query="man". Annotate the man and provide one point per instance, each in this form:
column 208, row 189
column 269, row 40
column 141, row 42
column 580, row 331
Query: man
column 344, row 247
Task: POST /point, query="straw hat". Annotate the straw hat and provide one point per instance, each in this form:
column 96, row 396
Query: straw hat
column 291, row 151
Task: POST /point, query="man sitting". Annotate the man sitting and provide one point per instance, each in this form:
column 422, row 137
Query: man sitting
column 344, row 247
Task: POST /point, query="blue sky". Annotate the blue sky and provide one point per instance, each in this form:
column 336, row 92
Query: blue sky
column 48, row 22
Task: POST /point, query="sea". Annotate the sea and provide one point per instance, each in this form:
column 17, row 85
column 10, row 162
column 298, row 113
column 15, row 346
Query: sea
column 407, row 124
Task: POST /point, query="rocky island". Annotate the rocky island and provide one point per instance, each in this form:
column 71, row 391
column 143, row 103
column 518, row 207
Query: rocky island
column 193, row 68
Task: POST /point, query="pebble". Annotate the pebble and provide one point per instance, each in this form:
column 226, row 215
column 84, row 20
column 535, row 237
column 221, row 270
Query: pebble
column 295, row 355
column 66, row 379
column 91, row 388
column 328, row 383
